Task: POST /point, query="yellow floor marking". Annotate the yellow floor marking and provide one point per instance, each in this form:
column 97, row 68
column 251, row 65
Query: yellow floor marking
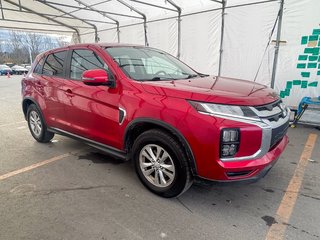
column 278, row 229
column 9, row 124
column 36, row 165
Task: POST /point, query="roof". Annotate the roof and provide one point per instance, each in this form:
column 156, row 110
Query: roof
column 81, row 17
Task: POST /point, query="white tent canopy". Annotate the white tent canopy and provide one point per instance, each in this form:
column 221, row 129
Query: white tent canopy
column 236, row 38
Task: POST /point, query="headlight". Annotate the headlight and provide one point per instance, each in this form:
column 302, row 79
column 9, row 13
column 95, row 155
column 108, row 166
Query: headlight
column 225, row 110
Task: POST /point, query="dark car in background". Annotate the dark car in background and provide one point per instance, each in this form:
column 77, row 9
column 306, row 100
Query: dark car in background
column 4, row 70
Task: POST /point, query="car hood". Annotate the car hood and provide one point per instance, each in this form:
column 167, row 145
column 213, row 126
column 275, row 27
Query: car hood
column 215, row 90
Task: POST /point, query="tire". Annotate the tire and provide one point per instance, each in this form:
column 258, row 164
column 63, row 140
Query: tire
column 161, row 163
column 37, row 125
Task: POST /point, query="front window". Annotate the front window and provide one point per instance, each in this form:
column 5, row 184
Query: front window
column 83, row 60
column 146, row 64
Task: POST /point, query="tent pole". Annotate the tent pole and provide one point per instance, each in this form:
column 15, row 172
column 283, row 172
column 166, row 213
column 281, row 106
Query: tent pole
column 118, row 32
column 2, row 14
column 142, row 15
column 276, row 51
column 179, row 34
column 179, row 26
column 222, row 35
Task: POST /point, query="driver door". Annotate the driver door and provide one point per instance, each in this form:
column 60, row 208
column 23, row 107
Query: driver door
column 92, row 111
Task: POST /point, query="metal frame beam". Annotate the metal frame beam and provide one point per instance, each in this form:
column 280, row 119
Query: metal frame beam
column 224, row 2
column 143, row 16
column 92, row 5
column 153, row 5
column 276, row 51
column 88, row 8
column 32, row 29
column 103, row 14
column 221, row 2
column 2, row 14
column 179, row 25
column 48, row 18
column 96, row 37
column 55, row 16
column 38, row 23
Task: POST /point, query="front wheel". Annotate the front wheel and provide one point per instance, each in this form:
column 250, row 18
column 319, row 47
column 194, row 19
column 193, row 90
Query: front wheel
column 37, row 125
column 161, row 163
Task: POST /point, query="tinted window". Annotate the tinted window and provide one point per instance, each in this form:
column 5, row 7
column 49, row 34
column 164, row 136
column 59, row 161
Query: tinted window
column 38, row 68
column 53, row 65
column 83, row 60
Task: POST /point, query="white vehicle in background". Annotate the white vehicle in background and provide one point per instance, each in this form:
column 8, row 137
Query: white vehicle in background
column 16, row 69
column 28, row 67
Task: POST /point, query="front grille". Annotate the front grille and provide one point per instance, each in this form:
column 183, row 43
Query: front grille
column 278, row 133
column 276, row 117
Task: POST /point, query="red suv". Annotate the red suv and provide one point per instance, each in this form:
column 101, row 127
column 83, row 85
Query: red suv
column 140, row 103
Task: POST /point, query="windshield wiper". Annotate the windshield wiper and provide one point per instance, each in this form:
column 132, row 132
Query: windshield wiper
column 192, row 76
column 203, row 75
column 159, row 79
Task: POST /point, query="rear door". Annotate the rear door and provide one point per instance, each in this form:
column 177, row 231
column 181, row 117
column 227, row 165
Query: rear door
column 49, row 82
column 92, row 111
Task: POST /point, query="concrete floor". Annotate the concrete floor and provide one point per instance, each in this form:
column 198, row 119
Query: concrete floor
column 87, row 195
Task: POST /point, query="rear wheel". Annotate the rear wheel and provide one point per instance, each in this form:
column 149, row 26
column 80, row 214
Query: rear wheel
column 161, row 163
column 37, row 126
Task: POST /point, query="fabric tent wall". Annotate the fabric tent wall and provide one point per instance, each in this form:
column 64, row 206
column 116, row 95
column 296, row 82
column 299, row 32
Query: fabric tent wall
column 247, row 32
column 167, row 42
column 200, row 35
column 298, row 71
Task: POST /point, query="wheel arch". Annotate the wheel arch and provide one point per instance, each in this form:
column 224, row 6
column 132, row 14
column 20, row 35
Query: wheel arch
column 26, row 102
column 138, row 126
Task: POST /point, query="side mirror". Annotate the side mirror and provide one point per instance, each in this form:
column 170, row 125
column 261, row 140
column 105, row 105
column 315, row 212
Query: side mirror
column 96, row 77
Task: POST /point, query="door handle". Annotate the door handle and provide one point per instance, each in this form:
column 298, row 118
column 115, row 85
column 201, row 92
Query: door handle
column 69, row 93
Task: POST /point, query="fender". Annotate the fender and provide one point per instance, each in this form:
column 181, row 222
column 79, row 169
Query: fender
column 168, row 127
column 34, row 102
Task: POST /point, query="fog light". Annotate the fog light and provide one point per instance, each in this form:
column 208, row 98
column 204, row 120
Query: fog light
column 230, row 135
column 229, row 150
column 229, row 142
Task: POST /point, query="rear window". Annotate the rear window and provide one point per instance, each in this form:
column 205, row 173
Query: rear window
column 39, row 66
column 54, row 63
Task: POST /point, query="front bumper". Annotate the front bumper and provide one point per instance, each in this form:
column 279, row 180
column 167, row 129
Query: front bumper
column 261, row 144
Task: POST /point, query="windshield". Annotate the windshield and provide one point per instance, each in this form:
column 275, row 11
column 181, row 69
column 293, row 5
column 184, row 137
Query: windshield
column 146, row 64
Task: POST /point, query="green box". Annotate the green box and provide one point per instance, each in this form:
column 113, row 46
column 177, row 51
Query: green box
column 313, row 51
column 319, row 56
column 313, row 38
column 287, row 92
column 303, row 57
column 312, row 65
column 316, row 32
column 305, row 74
column 296, row 82
column 301, row 65
column 313, row 84
column 313, row 58
column 304, row 40
column 289, row 85
column 318, row 73
column 316, row 51
column 304, row 84
column 282, row 94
